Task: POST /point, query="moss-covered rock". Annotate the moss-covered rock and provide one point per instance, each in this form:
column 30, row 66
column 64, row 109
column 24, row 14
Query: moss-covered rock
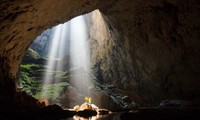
column 30, row 56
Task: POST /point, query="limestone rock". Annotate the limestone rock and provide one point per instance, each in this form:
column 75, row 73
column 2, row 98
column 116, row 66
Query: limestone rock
column 148, row 48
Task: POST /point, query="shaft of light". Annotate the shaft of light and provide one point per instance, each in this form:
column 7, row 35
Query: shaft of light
column 75, row 39
column 79, row 52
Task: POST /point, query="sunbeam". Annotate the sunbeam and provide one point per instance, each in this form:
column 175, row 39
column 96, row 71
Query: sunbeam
column 72, row 42
column 79, row 55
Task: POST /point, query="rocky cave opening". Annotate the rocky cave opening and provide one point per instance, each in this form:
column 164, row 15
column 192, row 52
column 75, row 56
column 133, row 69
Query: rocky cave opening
column 144, row 55
column 56, row 68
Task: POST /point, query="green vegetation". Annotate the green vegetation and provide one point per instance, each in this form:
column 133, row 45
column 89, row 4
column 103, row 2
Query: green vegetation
column 29, row 84
column 31, row 81
column 52, row 91
column 30, row 68
column 32, row 53
column 32, row 84
column 63, row 75
column 31, row 76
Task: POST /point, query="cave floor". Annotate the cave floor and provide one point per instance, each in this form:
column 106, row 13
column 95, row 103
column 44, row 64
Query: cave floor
column 149, row 113
column 162, row 114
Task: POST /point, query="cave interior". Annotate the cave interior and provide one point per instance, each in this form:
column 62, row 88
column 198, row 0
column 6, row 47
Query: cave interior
column 144, row 54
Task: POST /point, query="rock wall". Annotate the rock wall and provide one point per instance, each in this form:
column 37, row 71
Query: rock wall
column 109, row 55
column 110, row 58
column 161, row 38
column 151, row 50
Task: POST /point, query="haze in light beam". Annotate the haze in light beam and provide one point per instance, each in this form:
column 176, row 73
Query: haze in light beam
column 79, row 52
column 77, row 36
column 57, row 50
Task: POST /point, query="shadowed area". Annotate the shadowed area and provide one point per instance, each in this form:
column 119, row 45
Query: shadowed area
column 144, row 57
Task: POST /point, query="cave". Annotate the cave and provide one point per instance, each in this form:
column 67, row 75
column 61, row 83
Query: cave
column 147, row 53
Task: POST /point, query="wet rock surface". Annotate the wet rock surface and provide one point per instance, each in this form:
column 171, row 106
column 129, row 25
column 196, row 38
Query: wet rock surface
column 164, row 114
column 49, row 112
column 54, row 112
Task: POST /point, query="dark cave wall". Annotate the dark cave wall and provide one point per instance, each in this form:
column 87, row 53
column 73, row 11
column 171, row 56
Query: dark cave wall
column 162, row 39
column 151, row 50
column 109, row 56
